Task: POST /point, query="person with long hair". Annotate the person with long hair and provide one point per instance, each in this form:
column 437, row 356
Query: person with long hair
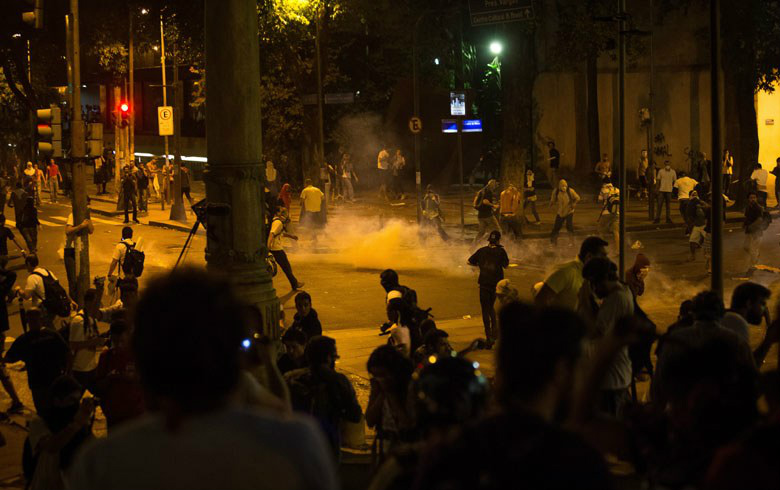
column 728, row 170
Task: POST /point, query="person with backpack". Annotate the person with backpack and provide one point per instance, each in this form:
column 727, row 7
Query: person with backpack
column 565, row 199
column 276, row 245
column 130, row 193
column 318, row 390
column 45, row 292
column 491, row 260
column 756, row 221
column 120, row 251
column 484, row 203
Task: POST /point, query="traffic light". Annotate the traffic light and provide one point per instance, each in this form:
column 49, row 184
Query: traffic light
column 124, row 114
column 34, row 18
column 50, row 131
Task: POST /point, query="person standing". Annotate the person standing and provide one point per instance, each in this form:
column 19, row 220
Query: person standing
column 529, row 197
column 130, row 193
column 383, row 165
column 641, row 174
column 142, row 174
column 312, row 212
column 491, row 260
column 602, row 170
column 684, row 186
column 276, row 247
column 120, row 252
column 665, row 179
column 347, row 171
column 759, row 177
column 54, row 180
column 486, row 209
column 754, row 224
column 728, row 170
column 565, row 199
column 609, row 218
column 29, row 224
column 167, row 182
column 555, row 162
column 776, row 173
column 651, row 175
column 40, row 182
column 696, row 216
column 399, row 163
column 184, row 175
column 84, row 340
column 509, row 205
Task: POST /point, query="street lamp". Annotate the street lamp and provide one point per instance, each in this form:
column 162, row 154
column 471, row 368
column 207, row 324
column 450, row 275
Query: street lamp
column 144, row 11
column 496, row 48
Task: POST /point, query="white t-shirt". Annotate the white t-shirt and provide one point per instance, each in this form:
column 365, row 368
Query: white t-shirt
column 238, row 448
column 121, row 250
column 383, row 160
column 684, row 187
column 35, row 285
column 277, row 228
column 760, row 176
column 666, row 179
column 84, row 360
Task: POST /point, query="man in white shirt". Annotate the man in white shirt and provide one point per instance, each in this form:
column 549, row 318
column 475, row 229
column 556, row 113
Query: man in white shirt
column 34, row 289
column 383, row 165
column 665, row 182
column 276, row 247
column 760, row 177
column 684, row 186
column 84, row 340
column 200, row 436
column 118, row 257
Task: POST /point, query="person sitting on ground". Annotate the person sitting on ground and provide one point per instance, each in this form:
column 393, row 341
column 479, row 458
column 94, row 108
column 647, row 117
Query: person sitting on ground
column 121, row 394
column 45, row 355
column 520, row 445
column 436, row 345
column 199, row 437
column 562, row 287
column 320, row 391
column 448, row 393
column 388, row 409
column 56, row 436
column 305, row 318
column 294, row 342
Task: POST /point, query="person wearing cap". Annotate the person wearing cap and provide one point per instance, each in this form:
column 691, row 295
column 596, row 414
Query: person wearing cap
column 491, row 260
column 505, row 294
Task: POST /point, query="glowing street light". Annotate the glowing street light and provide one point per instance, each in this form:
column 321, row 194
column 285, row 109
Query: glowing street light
column 144, row 11
column 496, row 48
column 436, row 61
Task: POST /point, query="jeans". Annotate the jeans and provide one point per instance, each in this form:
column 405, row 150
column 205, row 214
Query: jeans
column 30, row 235
column 131, row 200
column 726, row 183
column 511, row 224
column 664, row 198
column 486, row 225
column 281, row 259
column 349, row 191
column 532, row 205
column 753, row 246
column 487, row 300
column 54, row 188
column 569, row 220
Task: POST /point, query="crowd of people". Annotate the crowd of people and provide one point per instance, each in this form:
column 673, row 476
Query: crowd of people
column 195, row 394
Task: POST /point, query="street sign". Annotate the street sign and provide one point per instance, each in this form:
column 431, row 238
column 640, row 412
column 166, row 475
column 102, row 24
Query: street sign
column 486, row 12
column 165, row 120
column 340, row 98
column 472, row 126
column 449, row 126
column 457, row 104
column 415, row 124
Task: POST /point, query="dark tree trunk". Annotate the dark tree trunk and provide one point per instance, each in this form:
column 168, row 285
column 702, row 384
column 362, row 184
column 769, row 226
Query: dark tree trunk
column 517, row 76
column 748, row 132
column 582, row 156
column 594, row 144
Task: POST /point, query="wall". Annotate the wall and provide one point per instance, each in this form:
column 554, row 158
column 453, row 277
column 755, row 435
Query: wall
column 768, row 108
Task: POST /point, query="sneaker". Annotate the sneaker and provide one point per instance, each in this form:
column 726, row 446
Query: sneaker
column 135, row 221
column 299, row 286
column 15, row 408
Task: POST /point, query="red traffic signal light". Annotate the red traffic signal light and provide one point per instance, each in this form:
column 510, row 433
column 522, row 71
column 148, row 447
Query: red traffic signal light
column 124, row 107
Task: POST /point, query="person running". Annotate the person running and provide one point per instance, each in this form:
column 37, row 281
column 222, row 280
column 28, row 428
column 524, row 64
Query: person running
column 276, row 246
column 509, row 205
column 684, row 185
column 29, row 225
column 5, row 235
column 529, row 197
column 697, row 211
column 565, row 199
column 665, row 179
column 55, row 178
column 431, row 212
column 754, row 225
column 491, row 260
column 184, row 175
column 486, row 209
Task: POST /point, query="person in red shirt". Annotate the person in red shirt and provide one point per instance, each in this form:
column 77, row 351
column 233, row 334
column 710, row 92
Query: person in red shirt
column 120, row 390
column 53, row 172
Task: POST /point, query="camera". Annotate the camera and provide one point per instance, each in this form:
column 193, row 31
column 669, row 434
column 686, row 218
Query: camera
column 383, row 329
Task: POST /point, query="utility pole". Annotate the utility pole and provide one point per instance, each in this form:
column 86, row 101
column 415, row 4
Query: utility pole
column 416, row 90
column 131, row 91
column 33, row 129
column 164, row 86
column 178, row 213
column 622, row 135
column 235, row 174
column 80, row 211
column 717, row 170
column 320, row 101
column 651, row 107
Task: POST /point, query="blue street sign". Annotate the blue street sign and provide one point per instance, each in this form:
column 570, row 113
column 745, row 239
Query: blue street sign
column 472, row 125
column 449, row 126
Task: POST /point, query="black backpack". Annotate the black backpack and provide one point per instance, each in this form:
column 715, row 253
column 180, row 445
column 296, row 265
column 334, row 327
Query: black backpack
column 56, row 300
column 134, row 260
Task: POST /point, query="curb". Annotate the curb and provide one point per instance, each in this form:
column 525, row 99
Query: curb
column 171, row 226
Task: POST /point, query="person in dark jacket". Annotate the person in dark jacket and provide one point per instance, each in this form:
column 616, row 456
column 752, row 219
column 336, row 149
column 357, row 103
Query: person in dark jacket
column 306, row 317
column 491, row 260
column 28, row 225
